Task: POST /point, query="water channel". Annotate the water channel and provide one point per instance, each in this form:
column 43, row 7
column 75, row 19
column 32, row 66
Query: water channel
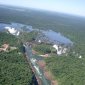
column 33, row 60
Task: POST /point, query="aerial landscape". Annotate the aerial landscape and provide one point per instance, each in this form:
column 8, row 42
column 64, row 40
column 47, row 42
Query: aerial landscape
column 40, row 47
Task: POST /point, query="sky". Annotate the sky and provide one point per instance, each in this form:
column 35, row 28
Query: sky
column 74, row 7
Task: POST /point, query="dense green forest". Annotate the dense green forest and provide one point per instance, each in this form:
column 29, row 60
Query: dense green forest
column 42, row 48
column 14, row 69
column 67, row 70
column 28, row 36
column 8, row 38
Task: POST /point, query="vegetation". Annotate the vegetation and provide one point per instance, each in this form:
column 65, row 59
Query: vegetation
column 14, row 69
column 8, row 38
column 67, row 70
column 28, row 37
column 42, row 48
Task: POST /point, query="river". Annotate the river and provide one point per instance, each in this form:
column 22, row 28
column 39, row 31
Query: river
column 38, row 72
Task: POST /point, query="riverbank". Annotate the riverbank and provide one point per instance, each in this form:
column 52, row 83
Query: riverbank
column 49, row 76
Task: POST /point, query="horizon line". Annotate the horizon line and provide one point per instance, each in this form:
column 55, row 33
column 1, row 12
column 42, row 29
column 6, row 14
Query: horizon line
column 40, row 9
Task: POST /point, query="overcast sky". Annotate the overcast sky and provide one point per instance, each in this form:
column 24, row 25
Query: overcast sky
column 76, row 7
